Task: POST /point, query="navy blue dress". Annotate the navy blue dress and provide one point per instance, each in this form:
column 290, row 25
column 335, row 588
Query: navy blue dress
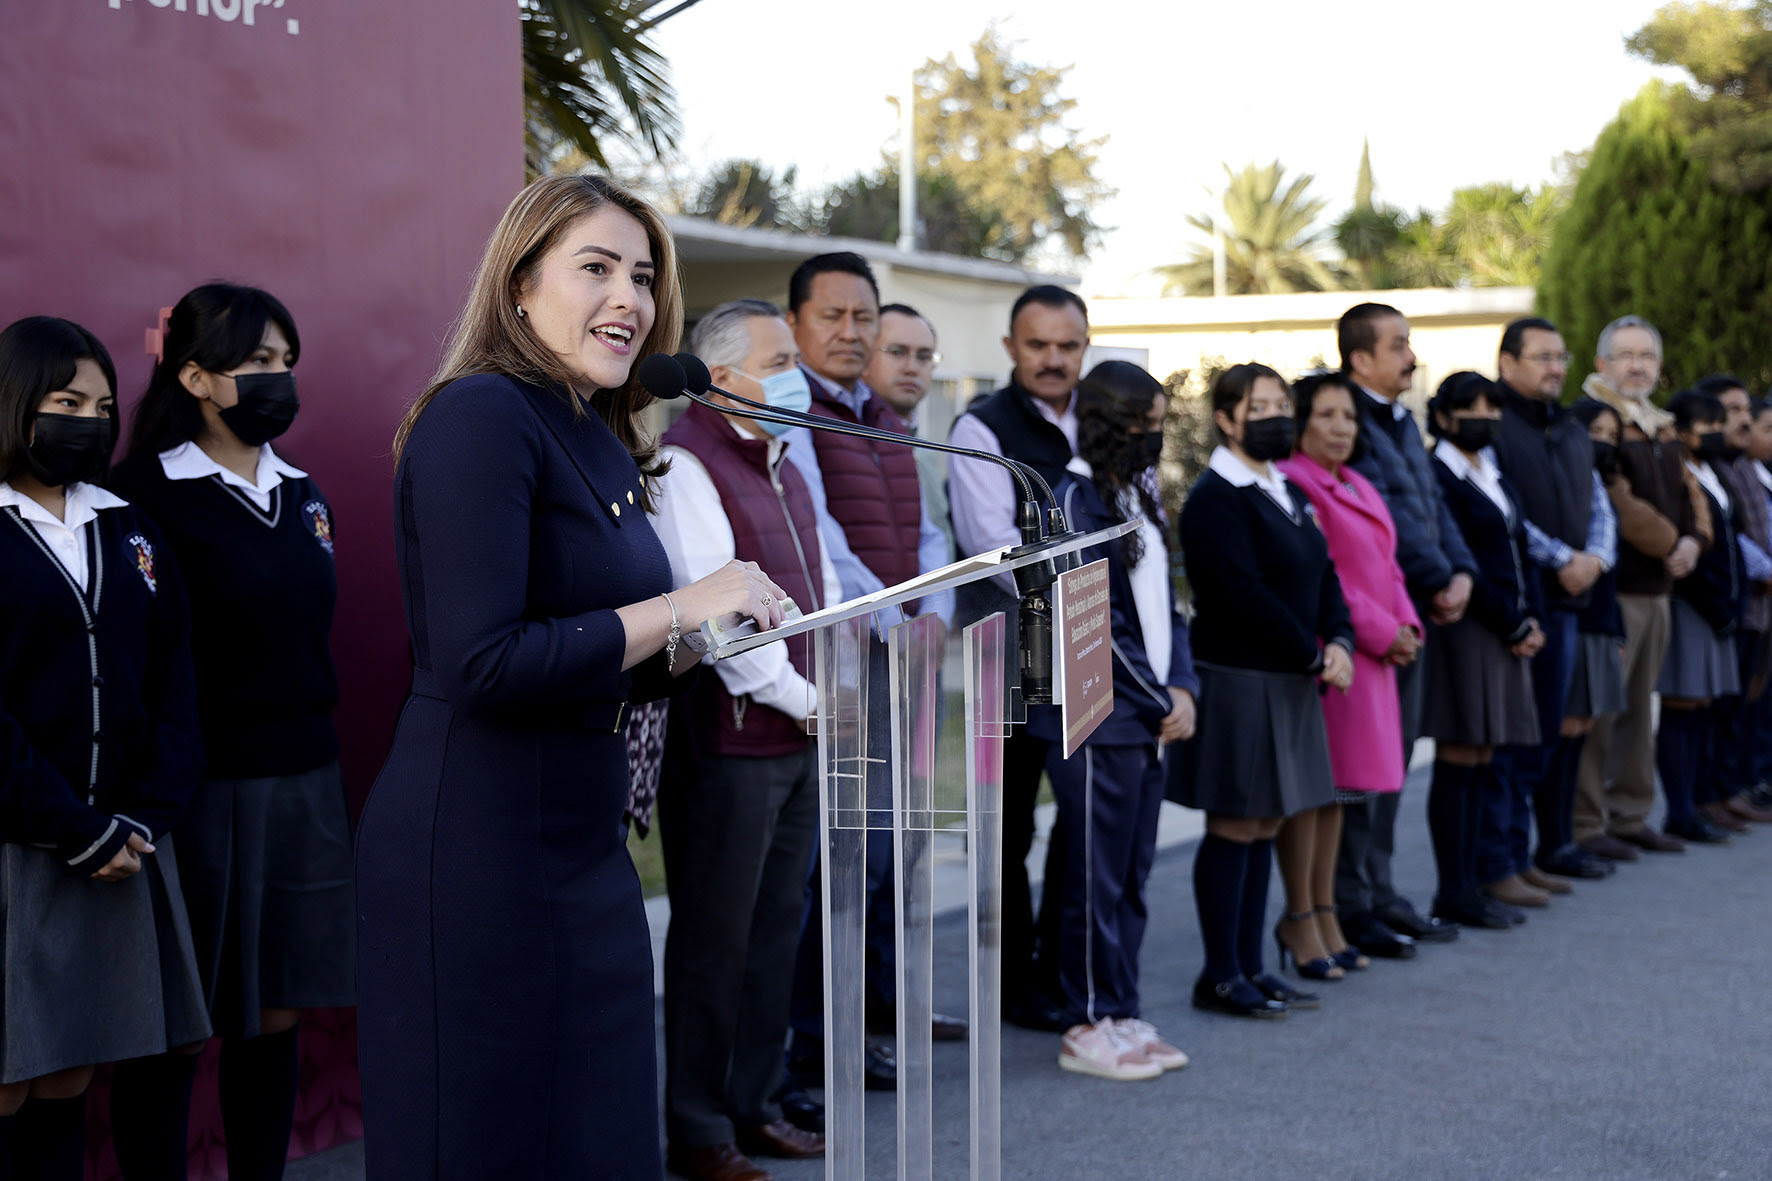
column 505, row 969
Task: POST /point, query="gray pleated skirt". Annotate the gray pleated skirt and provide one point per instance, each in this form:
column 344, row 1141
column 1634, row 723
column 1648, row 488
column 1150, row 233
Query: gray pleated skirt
column 95, row 971
column 1700, row 663
column 1259, row 747
column 267, row 882
column 1597, row 688
column 1478, row 693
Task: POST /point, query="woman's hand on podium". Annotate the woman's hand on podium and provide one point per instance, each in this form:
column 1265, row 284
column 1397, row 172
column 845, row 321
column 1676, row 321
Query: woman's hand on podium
column 737, row 588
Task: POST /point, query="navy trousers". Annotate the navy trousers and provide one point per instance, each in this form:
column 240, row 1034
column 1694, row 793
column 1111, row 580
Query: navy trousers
column 1523, row 788
column 1108, row 801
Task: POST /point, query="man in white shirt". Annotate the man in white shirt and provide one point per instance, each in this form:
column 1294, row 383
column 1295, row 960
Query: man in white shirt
column 738, row 803
column 1034, row 420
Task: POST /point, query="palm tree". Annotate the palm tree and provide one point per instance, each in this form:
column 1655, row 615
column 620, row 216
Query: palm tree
column 1500, row 233
column 1271, row 240
column 590, row 75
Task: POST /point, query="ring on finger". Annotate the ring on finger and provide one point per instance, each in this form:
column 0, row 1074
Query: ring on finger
column 768, row 599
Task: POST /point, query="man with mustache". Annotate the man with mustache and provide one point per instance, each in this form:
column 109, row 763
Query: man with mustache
column 873, row 523
column 1546, row 455
column 1437, row 566
column 1663, row 526
column 1032, row 419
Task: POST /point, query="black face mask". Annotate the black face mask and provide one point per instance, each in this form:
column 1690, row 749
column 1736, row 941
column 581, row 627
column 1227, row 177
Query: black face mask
column 70, row 450
column 1711, row 445
column 1472, row 434
column 266, row 407
column 1268, row 439
column 1153, row 447
column 1606, row 459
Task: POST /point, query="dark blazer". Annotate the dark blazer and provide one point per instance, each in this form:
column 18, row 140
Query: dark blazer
column 1265, row 592
column 1429, row 547
column 98, row 704
column 1716, row 585
column 1140, row 701
column 1505, row 594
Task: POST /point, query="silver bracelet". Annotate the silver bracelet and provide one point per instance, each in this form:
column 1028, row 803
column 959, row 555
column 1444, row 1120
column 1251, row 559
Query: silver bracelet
column 675, row 635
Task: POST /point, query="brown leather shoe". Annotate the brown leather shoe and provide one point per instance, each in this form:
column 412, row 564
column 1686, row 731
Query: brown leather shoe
column 1513, row 891
column 1745, row 808
column 716, row 1162
column 1654, row 842
column 1550, row 883
column 1609, row 847
column 781, row 1139
column 1723, row 818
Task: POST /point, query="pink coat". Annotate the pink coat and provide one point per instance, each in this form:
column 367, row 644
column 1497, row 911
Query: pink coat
column 1365, row 724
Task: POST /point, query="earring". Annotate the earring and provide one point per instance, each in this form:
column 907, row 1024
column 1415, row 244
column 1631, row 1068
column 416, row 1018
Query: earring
column 520, row 312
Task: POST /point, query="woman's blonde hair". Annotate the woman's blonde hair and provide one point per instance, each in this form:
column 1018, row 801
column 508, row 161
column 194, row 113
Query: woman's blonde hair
column 489, row 336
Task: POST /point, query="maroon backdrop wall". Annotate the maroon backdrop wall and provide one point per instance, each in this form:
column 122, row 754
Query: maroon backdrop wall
column 350, row 156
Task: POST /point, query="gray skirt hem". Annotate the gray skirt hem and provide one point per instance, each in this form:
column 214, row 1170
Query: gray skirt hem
column 1597, row 688
column 267, row 881
column 1259, row 749
column 95, row 971
column 1478, row 693
column 1700, row 664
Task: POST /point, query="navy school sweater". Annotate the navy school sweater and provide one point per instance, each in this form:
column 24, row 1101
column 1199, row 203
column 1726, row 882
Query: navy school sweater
column 263, row 590
column 98, row 717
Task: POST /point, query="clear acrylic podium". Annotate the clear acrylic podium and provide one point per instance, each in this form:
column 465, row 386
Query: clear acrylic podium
column 843, row 650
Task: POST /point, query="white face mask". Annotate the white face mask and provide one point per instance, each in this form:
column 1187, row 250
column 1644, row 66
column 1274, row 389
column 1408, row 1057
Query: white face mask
column 787, row 390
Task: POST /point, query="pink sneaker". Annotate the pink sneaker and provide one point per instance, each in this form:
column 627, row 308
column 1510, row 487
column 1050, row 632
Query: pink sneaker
column 1100, row 1050
column 1143, row 1035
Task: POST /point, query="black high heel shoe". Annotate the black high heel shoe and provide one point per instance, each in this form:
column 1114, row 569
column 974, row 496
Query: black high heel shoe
column 1321, row 968
column 1349, row 958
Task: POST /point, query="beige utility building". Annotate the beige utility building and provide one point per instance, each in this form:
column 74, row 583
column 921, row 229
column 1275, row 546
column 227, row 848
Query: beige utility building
column 1450, row 329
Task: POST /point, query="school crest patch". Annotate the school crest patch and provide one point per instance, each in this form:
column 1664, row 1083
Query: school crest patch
column 319, row 522
column 143, row 550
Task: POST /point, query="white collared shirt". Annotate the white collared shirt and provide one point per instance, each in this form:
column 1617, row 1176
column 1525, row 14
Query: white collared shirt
column 188, row 461
column 697, row 536
column 1712, row 485
column 1234, row 470
column 1483, row 473
column 65, row 538
column 1150, row 579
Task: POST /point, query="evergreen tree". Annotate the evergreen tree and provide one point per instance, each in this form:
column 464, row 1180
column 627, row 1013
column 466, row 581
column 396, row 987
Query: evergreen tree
column 1649, row 231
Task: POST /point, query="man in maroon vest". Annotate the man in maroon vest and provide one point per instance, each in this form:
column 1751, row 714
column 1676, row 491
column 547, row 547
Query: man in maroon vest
column 738, row 805
column 873, row 523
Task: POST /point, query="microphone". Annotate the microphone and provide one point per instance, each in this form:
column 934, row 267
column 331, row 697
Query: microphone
column 686, row 375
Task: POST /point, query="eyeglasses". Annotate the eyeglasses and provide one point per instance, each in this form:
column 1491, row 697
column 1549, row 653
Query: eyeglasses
column 1632, row 358
column 928, row 358
column 1548, row 358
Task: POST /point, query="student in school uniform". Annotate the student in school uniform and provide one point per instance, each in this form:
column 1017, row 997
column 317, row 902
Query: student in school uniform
column 99, row 752
column 1270, row 630
column 1110, row 792
column 1479, row 691
column 267, row 842
column 1701, row 667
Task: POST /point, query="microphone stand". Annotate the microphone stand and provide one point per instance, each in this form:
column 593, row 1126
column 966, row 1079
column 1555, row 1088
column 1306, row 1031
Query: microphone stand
column 670, row 378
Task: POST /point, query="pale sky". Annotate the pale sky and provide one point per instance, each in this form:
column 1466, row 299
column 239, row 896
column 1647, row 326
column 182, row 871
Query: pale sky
column 1449, row 94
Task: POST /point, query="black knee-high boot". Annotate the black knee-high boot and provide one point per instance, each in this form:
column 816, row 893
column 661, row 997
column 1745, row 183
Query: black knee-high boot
column 1252, row 918
column 151, row 1116
column 1220, row 866
column 1448, row 799
column 49, row 1140
column 258, row 1085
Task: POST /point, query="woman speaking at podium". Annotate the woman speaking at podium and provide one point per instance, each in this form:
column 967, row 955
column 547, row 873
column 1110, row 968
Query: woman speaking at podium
column 506, row 1012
